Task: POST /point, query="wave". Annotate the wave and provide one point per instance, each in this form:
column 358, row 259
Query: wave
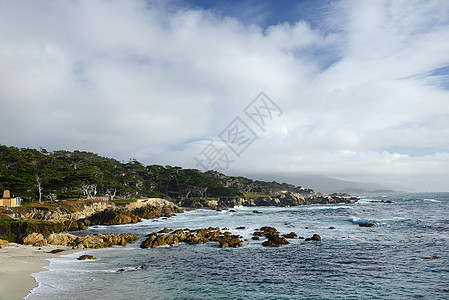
column 321, row 207
column 356, row 220
column 431, row 200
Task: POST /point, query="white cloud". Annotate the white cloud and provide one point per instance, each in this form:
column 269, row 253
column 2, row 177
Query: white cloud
column 151, row 79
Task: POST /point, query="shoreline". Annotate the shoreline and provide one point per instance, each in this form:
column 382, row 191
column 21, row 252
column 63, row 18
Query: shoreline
column 18, row 262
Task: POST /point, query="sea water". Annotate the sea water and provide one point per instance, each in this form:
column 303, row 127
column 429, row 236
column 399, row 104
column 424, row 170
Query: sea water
column 405, row 255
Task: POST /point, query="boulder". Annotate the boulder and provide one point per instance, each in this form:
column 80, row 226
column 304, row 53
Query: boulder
column 41, row 243
column 32, row 238
column 275, row 240
column 165, row 230
column 62, row 239
column 3, row 244
column 315, row 237
column 84, row 257
column 290, row 235
column 55, row 251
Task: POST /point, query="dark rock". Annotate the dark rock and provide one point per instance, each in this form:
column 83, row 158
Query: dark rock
column 121, row 270
column 290, row 235
column 366, row 225
column 257, row 212
column 275, row 240
column 232, row 241
column 431, row 257
column 54, row 251
column 332, row 227
column 112, row 216
column 256, row 238
column 165, row 230
column 84, row 257
column 241, row 227
column 316, row 237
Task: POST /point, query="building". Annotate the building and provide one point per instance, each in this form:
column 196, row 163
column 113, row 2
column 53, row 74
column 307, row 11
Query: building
column 7, row 201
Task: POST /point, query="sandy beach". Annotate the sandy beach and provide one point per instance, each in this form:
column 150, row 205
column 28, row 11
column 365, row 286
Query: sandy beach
column 18, row 262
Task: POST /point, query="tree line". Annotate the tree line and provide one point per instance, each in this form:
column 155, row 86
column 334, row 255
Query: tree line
column 39, row 175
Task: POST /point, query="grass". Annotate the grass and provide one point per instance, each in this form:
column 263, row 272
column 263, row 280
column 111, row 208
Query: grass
column 123, row 201
column 249, row 196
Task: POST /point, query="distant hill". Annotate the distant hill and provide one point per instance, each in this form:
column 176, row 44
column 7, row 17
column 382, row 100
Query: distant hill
column 325, row 184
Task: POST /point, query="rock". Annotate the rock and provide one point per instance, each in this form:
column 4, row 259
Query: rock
column 366, row 225
column 55, row 251
column 193, row 240
column 41, row 243
column 121, row 270
column 195, row 236
column 315, row 237
column 232, row 241
column 332, row 227
column 91, row 241
column 62, row 239
column 84, row 257
column 3, row 243
column 266, row 230
column 275, row 240
column 257, row 212
column 111, row 217
column 256, row 238
column 32, row 238
column 290, row 235
column 232, row 210
column 431, row 257
column 241, row 227
column 165, row 230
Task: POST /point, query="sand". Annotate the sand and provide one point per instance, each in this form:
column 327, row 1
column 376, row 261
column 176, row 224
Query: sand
column 18, row 262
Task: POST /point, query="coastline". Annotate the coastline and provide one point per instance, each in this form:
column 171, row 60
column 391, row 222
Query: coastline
column 18, row 262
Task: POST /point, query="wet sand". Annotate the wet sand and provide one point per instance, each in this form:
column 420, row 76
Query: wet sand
column 18, row 262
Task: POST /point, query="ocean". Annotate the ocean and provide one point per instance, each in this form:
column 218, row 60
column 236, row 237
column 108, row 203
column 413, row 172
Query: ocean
column 405, row 255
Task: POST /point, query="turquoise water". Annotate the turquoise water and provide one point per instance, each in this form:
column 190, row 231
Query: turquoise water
column 385, row 261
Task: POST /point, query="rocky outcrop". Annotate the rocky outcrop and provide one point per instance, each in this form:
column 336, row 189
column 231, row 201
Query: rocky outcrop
column 275, row 240
column 32, row 238
column 60, row 214
column 156, row 209
column 283, row 199
column 3, row 244
column 112, row 216
column 315, row 237
column 80, row 242
column 273, row 237
column 84, row 257
column 196, row 236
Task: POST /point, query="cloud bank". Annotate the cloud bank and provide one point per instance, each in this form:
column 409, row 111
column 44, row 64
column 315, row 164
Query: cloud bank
column 364, row 94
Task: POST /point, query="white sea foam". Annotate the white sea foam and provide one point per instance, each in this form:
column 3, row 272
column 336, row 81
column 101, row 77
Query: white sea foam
column 327, row 207
column 431, row 200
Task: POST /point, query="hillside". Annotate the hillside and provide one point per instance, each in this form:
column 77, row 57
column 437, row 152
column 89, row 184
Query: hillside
column 39, row 175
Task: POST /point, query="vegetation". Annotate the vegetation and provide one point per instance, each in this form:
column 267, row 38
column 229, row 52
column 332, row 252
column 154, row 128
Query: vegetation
column 39, row 175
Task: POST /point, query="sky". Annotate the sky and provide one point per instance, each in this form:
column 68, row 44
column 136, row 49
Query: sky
column 356, row 90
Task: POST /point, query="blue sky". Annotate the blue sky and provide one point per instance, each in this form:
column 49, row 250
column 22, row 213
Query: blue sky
column 363, row 85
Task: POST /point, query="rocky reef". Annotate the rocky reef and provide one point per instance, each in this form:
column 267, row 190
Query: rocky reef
column 223, row 239
column 79, row 242
column 16, row 225
column 196, row 236
column 283, row 199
